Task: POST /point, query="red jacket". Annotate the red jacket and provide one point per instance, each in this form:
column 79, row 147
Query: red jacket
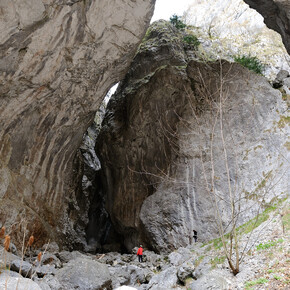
column 140, row 252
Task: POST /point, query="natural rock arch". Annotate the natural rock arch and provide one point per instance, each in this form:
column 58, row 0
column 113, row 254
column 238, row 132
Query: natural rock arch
column 58, row 60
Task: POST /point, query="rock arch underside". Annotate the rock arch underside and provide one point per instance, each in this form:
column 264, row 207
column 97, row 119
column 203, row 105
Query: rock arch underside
column 59, row 59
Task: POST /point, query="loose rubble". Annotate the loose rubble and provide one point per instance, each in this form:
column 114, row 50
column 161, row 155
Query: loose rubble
column 192, row 267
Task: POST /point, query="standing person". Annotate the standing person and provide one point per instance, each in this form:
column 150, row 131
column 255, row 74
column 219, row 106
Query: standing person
column 195, row 235
column 140, row 254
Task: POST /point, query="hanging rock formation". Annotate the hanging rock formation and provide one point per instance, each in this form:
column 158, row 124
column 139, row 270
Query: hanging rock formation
column 276, row 16
column 165, row 135
column 230, row 28
column 58, row 60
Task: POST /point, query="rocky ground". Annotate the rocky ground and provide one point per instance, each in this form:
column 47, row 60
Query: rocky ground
column 199, row 266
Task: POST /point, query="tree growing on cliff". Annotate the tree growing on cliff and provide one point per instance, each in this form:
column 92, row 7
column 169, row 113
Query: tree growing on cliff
column 177, row 22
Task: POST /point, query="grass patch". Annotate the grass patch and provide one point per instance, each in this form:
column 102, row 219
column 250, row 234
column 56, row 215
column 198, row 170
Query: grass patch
column 198, row 261
column 217, row 260
column 258, row 220
column 218, row 243
column 255, row 282
column 286, row 219
column 269, row 244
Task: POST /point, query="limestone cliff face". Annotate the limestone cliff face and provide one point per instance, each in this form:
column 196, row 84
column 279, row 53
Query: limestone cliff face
column 58, row 58
column 276, row 15
column 230, row 28
column 171, row 131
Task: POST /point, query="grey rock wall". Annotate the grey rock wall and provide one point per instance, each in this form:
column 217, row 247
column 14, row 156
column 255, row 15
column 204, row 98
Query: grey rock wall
column 276, row 16
column 162, row 151
column 58, row 59
column 230, row 28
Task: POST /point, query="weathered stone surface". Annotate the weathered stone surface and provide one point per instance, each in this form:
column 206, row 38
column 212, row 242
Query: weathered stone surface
column 44, row 270
column 84, row 274
column 279, row 80
column 180, row 256
column 48, row 282
column 211, row 281
column 22, row 267
column 57, row 61
column 66, row 256
column 185, row 271
column 276, row 16
column 11, row 283
column 128, row 275
column 167, row 279
column 162, row 144
column 50, row 259
column 230, row 28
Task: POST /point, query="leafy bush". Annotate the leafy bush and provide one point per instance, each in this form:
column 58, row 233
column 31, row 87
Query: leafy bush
column 192, row 40
column 176, row 21
column 250, row 62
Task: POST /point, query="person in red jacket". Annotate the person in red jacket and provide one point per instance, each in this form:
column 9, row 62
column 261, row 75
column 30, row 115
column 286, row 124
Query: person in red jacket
column 140, row 254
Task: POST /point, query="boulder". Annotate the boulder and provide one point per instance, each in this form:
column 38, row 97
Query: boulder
column 48, row 282
column 175, row 258
column 44, row 270
column 22, row 267
column 51, row 259
column 165, row 280
column 203, row 268
column 51, row 248
column 185, row 271
column 279, row 80
column 84, row 274
column 11, row 273
column 8, row 282
column 210, row 281
column 6, row 257
column 119, row 276
column 66, row 256
column 129, row 275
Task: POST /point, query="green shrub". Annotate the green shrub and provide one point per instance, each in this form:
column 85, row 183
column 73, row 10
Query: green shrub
column 192, row 40
column 250, row 62
column 175, row 21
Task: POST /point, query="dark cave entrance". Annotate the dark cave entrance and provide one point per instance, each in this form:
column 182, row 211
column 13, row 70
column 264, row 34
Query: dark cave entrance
column 99, row 231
